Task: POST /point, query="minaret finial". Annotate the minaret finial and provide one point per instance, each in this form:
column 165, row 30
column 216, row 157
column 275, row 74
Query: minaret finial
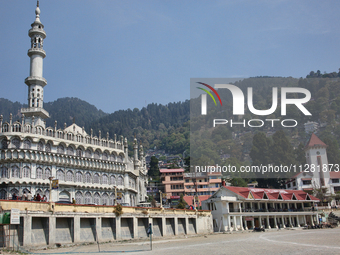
column 38, row 3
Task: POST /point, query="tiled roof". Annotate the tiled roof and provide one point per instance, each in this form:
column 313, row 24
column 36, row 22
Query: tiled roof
column 334, row 175
column 271, row 194
column 179, row 170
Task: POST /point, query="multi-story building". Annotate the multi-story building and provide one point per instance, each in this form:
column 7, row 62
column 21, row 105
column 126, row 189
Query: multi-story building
column 91, row 169
column 201, row 185
column 239, row 208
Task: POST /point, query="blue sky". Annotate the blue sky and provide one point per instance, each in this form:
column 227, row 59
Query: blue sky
column 126, row 54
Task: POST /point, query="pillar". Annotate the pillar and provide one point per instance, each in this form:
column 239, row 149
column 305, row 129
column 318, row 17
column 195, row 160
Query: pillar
column 275, row 222
column 304, row 218
column 51, row 229
column 27, row 230
column 135, row 227
column 290, row 221
column 164, row 226
column 229, row 225
column 245, row 224
column 118, row 228
column 253, row 223
column 76, row 229
column 187, row 225
column 268, row 224
column 98, row 229
column 297, row 221
column 283, row 221
column 235, row 223
column 176, row 225
column 241, row 223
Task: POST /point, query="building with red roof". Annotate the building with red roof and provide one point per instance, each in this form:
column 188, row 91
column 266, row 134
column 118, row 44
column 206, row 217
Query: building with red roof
column 239, row 208
column 317, row 173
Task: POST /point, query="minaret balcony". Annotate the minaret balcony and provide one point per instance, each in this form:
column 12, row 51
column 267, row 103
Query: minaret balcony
column 35, row 30
column 37, row 51
column 35, row 111
column 35, row 80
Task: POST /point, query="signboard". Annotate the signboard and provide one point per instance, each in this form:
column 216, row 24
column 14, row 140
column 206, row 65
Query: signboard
column 163, row 195
column 175, row 197
column 119, row 195
column 55, row 184
column 15, row 216
column 249, row 218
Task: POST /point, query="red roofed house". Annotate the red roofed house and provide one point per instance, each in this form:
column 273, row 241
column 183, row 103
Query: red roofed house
column 239, row 208
column 317, row 173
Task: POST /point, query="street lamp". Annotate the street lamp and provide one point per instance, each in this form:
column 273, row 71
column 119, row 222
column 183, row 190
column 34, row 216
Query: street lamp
column 160, row 198
column 115, row 203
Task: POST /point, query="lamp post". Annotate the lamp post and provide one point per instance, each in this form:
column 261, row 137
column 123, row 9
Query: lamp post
column 115, row 203
column 50, row 198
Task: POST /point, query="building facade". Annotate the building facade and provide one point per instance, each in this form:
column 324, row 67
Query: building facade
column 92, row 169
column 240, row 208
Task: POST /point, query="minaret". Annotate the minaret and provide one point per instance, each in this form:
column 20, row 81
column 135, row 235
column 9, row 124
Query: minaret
column 36, row 82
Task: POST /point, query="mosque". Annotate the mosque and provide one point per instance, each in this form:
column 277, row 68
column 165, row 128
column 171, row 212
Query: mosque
column 91, row 169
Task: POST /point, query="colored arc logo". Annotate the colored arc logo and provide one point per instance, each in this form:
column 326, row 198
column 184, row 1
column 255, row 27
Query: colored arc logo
column 208, row 92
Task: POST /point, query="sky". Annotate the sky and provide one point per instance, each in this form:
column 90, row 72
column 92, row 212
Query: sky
column 127, row 54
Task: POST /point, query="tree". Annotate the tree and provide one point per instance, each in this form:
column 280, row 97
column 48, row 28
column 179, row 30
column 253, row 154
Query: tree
column 282, row 151
column 181, row 203
column 260, row 152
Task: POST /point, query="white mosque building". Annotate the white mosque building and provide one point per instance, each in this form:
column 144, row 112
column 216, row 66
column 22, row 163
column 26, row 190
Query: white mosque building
column 89, row 168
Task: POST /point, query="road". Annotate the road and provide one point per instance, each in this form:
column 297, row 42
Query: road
column 319, row 241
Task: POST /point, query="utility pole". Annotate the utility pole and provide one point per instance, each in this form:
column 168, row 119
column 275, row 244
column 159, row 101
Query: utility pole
column 50, row 198
column 160, row 198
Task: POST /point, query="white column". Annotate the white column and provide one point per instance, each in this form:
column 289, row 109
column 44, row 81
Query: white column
column 241, row 223
column 283, row 221
column 235, row 223
column 275, row 222
column 245, row 223
column 297, row 220
column 268, row 223
column 290, row 221
column 260, row 220
column 304, row 217
column 253, row 222
column 229, row 225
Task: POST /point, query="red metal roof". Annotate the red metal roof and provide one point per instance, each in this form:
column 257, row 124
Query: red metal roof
column 272, row 194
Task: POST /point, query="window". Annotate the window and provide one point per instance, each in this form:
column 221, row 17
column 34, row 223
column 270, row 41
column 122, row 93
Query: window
column 105, row 179
column 60, row 149
column 69, row 176
column 79, row 152
column 70, row 151
column 335, row 180
column 96, row 155
column 27, row 144
column 60, row 175
column 88, row 198
column 113, row 157
column 4, row 172
column 40, row 146
column 306, row 182
column 79, row 197
column 16, row 143
column 48, row 147
column 120, row 181
column 48, row 173
column 294, row 184
column 96, row 178
column 4, row 143
column 105, row 156
column 288, row 185
column 105, row 199
column 112, row 180
column 337, row 189
column 15, row 172
column 79, row 177
column 39, row 173
column 88, row 153
column 96, row 198
column 112, row 199
column 88, row 177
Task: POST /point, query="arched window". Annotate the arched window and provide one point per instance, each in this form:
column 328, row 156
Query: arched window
column 15, row 172
column 60, row 175
column 39, row 173
column 79, row 152
column 88, row 153
column 4, row 172
column 120, row 158
column 96, row 155
column 120, row 181
column 70, row 151
column 60, row 149
column 112, row 180
column 88, row 178
column 88, row 198
column 40, row 146
column 69, row 176
column 16, row 143
column 27, row 144
column 26, row 172
column 4, row 144
column 105, row 179
column 105, row 199
column 5, row 127
column 16, row 127
column 48, row 173
column 96, row 198
column 112, row 199
column 79, row 177
column 96, row 178
column 3, row 194
column 113, row 157
column 105, row 156
column 79, row 197
column 48, row 147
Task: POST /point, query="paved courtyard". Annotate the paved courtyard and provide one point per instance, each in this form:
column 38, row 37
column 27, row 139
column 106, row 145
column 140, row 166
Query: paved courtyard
column 319, row 241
